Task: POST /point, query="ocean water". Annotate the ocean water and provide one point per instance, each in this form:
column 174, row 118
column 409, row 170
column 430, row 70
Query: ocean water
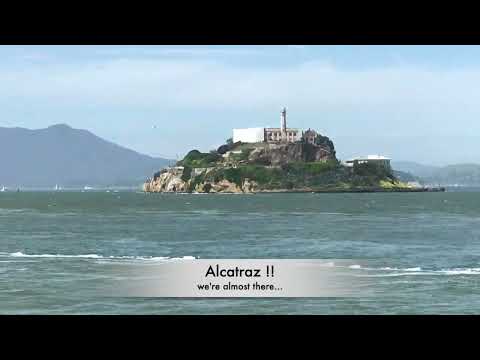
column 423, row 249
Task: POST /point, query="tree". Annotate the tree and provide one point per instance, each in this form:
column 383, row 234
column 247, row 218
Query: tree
column 324, row 141
column 223, row 149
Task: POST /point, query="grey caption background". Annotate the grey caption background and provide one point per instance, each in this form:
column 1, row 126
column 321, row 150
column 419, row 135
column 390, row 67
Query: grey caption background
column 225, row 278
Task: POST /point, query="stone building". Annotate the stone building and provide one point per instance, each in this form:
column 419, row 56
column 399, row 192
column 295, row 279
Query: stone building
column 282, row 134
column 276, row 135
column 310, row 136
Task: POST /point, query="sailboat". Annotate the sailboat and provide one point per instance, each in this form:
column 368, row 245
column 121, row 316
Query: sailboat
column 3, row 189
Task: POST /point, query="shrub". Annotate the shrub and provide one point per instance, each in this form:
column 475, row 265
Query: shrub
column 260, row 174
column 262, row 161
column 325, row 141
column 193, row 155
column 196, row 158
column 310, row 168
column 196, row 181
column 243, row 156
column 187, row 173
column 234, row 175
column 321, row 167
column 230, row 145
column 223, row 149
column 207, row 188
column 372, row 170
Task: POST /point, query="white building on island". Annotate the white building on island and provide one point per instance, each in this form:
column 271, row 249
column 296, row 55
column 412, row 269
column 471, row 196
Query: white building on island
column 249, row 135
column 281, row 134
column 370, row 159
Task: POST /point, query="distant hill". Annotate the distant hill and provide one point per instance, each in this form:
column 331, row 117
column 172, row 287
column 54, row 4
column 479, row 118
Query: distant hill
column 406, row 176
column 460, row 174
column 65, row 156
column 414, row 168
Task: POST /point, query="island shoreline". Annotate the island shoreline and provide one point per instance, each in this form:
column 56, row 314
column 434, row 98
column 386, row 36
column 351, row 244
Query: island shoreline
column 340, row 191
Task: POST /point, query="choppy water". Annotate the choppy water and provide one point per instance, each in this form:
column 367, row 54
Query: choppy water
column 423, row 248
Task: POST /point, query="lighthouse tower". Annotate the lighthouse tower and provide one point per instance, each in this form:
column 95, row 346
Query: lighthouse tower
column 283, row 125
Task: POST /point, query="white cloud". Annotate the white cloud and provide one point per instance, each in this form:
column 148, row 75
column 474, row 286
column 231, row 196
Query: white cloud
column 180, row 51
column 214, row 85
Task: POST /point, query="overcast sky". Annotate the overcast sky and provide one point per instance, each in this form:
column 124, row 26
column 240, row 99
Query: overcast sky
column 418, row 103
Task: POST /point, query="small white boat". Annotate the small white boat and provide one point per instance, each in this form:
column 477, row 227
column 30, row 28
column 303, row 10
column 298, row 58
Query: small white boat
column 87, row 188
column 3, row 189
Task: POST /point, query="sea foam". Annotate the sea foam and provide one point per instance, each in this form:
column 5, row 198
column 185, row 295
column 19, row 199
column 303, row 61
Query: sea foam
column 20, row 254
column 395, row 271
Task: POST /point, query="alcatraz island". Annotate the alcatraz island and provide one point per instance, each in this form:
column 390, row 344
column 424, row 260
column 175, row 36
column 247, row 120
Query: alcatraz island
column 259, row 160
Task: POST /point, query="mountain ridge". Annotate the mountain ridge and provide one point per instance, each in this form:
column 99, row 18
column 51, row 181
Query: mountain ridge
column 60, row 154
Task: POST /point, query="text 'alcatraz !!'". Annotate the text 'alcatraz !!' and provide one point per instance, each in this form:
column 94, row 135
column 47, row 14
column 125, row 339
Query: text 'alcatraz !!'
column 217, row 271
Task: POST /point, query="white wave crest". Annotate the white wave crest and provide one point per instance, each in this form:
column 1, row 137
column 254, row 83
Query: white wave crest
column 412, row 269
column 20, row 254
column 87, row 256
column 395, row 271
column 465, row 271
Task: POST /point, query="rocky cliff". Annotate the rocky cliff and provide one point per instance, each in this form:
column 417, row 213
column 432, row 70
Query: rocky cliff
column 174, row 180
column 280, row 154
column 169, row 180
